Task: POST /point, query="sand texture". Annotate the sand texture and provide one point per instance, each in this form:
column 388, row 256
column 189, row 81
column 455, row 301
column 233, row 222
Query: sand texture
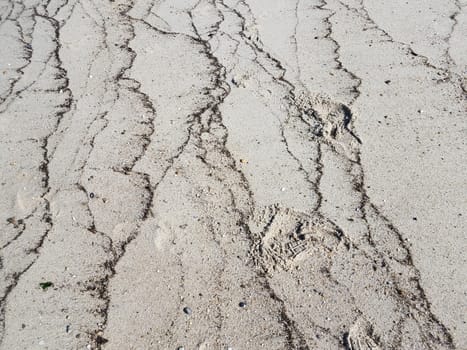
column 233, row 174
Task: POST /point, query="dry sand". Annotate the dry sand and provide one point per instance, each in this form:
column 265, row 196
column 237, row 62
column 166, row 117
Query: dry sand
column 307, row 158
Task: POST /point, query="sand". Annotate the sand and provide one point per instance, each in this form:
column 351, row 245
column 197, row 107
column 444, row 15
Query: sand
column 223, row 174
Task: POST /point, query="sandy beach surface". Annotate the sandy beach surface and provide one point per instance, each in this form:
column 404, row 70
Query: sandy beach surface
column 233, row 174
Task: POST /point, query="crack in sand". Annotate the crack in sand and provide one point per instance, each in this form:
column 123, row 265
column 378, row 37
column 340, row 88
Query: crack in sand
column 449, row 75
column 327, row 20
column 62, row 86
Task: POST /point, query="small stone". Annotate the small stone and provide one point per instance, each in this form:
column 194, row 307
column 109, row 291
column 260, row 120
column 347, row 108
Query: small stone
column 180, row 348
column 101, row 340
column 46, row 285
column 242, row 304
column 187, row 310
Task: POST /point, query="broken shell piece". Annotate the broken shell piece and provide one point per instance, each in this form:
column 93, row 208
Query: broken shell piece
column 239, row 80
